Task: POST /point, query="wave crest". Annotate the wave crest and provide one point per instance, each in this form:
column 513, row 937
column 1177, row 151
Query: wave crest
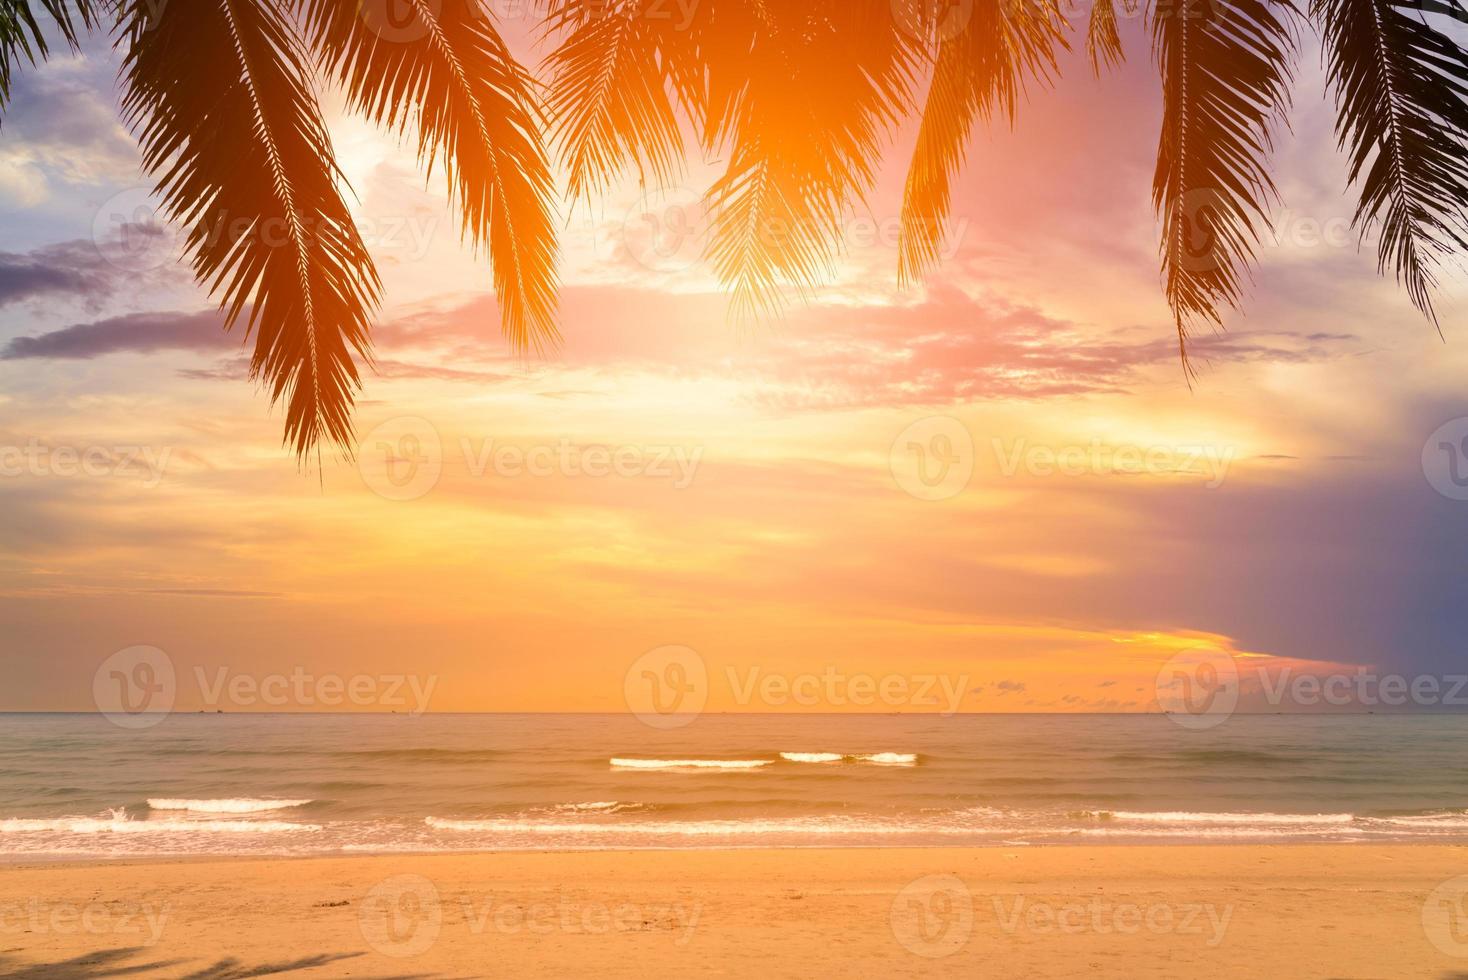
column 118, row 822
column 242, row 805
column 690, row 763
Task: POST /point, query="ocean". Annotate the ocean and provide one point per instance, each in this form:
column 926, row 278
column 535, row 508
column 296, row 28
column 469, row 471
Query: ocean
column 75, row 785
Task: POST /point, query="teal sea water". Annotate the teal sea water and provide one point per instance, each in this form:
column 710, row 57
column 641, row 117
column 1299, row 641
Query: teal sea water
column 76, row 785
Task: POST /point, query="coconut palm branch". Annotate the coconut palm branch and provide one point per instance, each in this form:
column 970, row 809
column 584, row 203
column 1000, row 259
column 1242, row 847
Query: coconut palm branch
column 1226, row 70
column 1401, row 88
column 222, row 96
column 611, row 100
column 245, row 164
column 798, row 97
column 450, row 75
column 1103, row 37
column 981, row 72
column 822, row 85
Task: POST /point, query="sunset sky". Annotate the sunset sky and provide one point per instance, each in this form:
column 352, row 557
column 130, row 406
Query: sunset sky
column 763, row 515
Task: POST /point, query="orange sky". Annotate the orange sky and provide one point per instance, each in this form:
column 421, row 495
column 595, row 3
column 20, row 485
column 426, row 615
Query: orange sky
column 763, row 506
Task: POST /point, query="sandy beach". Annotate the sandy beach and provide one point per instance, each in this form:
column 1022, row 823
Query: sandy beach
column 1270, row 911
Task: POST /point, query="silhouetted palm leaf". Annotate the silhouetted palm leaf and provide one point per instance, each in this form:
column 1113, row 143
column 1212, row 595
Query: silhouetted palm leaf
column 1225, row 83
column 797, row 96
column 449, row 73
column 220, row 95
column 1402, row 90
column 611, row 100
column 1103, row 37
column 981, row 71
column 803, row 115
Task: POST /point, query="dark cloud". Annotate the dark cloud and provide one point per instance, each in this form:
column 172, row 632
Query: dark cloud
column 70, row 269
column 137, row 333
column 125, row 260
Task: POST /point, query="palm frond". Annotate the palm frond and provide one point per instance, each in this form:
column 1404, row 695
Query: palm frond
column 1401, row 88
column 980, row 71
column 219, row 92
column 1103, row 37
column 820, row 85
column 610, row 98
column 1226, row 71
column 450, row 73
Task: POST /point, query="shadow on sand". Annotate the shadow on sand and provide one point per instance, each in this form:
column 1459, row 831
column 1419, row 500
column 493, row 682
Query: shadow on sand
column 136, row 962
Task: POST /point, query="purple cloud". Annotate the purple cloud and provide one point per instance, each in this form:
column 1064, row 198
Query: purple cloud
column 136, row 332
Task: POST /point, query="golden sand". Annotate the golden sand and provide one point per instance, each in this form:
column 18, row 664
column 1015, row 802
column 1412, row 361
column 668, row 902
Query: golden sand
column 1227, row 911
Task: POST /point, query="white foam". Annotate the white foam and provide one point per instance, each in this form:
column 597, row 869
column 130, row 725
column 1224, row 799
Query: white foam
column 1191, row 833
column 1429, row 821
column 890, row 758
column 812, row 756
column 681, row 828
column 244, row 805
column 690, row 763
column 612, row 806
column 117, row 822
column 1249, row 819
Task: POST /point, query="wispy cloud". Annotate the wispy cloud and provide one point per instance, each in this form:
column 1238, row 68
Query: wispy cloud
column 61, row 126
column 74, row 269
column 134, row 333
